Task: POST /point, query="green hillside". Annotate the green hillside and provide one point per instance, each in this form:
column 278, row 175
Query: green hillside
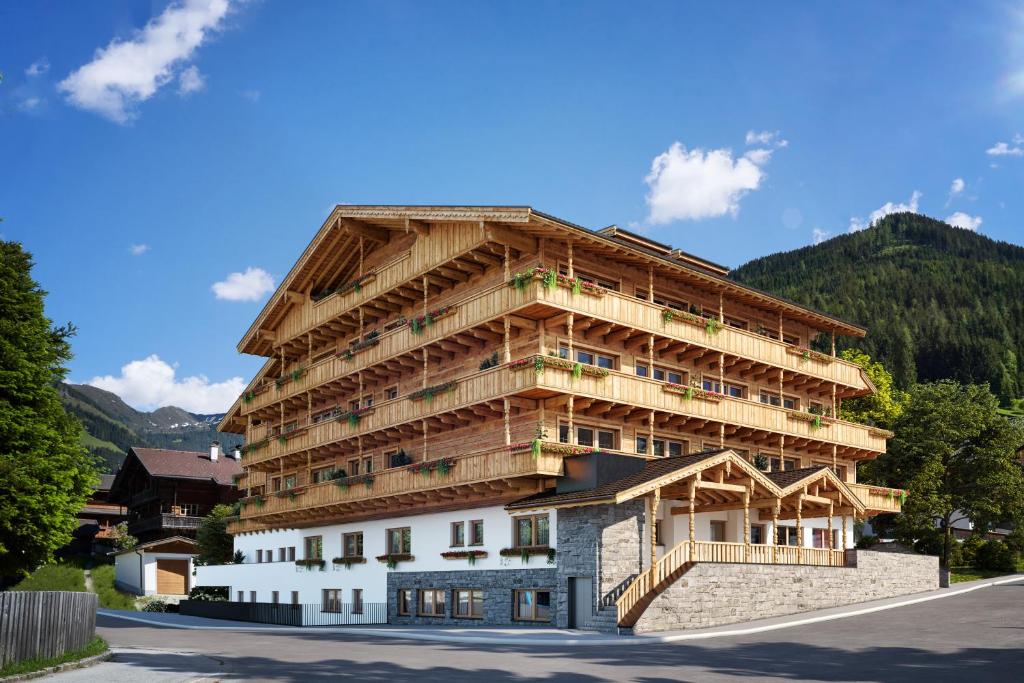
column 111, row 426
column 938, row 302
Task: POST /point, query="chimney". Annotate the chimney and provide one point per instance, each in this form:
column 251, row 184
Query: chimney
column 214, row 451
column 236, row 453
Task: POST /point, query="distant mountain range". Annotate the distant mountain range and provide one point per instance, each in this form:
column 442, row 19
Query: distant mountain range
column 112, row 426
column 938, row 301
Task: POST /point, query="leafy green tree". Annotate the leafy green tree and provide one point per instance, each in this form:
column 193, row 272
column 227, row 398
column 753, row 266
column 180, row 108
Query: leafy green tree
column 956, row 456
column 215, row 543
column 46, row 475
column 121, row 538
column 880, row 408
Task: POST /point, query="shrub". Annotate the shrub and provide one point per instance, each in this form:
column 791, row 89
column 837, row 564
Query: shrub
column 995, row 556
column 969, row 551
column 930, row 542
column 54, row 577
column 155, row 606
column 209, row 593
column 110, row 597
column 867, row 541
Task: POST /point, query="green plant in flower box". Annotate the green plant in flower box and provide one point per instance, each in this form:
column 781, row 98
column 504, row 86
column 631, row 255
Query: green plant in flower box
column 577, row 370
column 538, row 364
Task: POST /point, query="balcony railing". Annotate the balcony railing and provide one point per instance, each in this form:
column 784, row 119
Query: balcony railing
column 164, row 521
column 879, row 499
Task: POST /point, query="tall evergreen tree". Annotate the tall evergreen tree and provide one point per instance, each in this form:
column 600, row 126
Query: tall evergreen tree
column 45, row 475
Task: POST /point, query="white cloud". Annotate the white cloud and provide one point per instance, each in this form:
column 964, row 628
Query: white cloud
column 694, row 184
column 818, row 235
column 150, row 383
column 38, row 67
column 965, row 221
column 138, row 249
column 1004, row 149
column 957, row 187
column 248, row 286
column 190, row 81
column 765, row 137
column 884, row 210
column 30, row 103
column 251, row 95
column 127, row 72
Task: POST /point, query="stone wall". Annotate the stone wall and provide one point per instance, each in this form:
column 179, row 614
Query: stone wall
column 498, row 586
column 716, row 594
column 600, row 542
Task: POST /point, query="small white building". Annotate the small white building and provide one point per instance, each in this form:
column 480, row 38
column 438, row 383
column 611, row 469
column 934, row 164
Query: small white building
column 162, row 567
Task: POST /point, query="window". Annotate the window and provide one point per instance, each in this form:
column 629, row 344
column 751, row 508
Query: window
column 662, row 447
column 368, row 464
column 658, row 538
column 585, row 436
column 241, row 596
column 717, row 531
column 252, row 596
column 399, row 541
column 404, row 600
column 291, row 554
column 787, row 535
column 353, row 467
column 533, row 605
column 259, row 556
column 391, row 392
column 736, row 322
column 772, row 398
column 476, row 532
column 324, row 474
column 431, row 603
column 791, row 339
column 332, row 600
column 275, row 484
column 661, row 300
column 269, row 554
column 469, row 604
column 295, row 597
column 180, row 509
column 458, row 534
column 784, row 464
column 289, row 482
column 819, row 538
column 357, row 601
column 314, row 546
column 600, row 282
column 281, row 555
column 757, row 534
column 587, row 357
column 731, row 390
column 530, row 530
column 667, row 375
column 274, row 597
column 641, row 370
column 352, row 544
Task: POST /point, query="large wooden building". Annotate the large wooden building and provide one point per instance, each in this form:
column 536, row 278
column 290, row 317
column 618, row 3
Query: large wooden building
column 444, row 386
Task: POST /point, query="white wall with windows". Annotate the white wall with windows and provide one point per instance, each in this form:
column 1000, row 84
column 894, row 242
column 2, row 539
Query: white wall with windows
column 429, row 536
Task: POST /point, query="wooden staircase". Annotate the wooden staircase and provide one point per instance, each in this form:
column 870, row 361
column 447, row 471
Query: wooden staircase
column 648, row 584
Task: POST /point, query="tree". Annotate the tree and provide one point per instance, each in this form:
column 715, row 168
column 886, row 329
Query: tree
column 215, row 543
column 46, row 475
column 880, row 408
column 956, row 456
column 122, row 539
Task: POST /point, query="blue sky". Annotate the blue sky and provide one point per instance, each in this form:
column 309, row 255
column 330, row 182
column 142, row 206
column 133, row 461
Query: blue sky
column 153, row 149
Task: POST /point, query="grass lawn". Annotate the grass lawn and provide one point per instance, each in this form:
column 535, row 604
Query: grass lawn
column 110, row 597
column 54, row 577
column 97, row 646
column 961, row 574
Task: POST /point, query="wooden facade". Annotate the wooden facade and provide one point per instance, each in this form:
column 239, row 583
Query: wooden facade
column 427, row 358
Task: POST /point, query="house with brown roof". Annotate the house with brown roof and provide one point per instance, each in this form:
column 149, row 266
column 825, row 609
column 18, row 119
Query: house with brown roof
column 168, row 492
column 96, row 520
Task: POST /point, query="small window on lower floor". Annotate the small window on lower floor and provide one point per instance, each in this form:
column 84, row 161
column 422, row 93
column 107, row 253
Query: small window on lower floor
column 431, row 603
column 252, row 596
column 357, row 601
column 332, row 600
column 469, row 604
column 757, row 536
column 533, row 605
column 275, row 597
column 295, row 597
column 241, row 596
column 787, row 535
column 404, row 601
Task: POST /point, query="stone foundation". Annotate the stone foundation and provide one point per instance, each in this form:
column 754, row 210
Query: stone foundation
column 717, row 594
column 498, row 588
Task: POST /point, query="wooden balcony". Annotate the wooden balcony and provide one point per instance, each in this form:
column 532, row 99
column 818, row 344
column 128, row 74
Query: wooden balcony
column 494, row 475
column 879, row 499
column 164, row 521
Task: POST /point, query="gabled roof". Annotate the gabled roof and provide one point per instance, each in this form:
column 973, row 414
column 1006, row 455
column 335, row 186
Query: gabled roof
column 154, row 546
column 168, row 464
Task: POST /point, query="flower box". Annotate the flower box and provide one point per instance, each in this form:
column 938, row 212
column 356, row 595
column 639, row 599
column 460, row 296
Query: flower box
column 808, row 354
column 689, row 393
column 539, row 363
column 422, row 322
column 816, row 421
column 428, row 393
column 393, row 559
column 310, row 564
column 354, row 416
column 552, row 279
column 348, row 561
column 352, row 285
column 442, row 465
column 525, row 552
column 471, row 555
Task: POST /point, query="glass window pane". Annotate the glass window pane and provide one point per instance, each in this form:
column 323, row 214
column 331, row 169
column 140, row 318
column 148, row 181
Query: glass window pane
column 659, row 447
column 641, row 370
column 544, row 605
column 462, row 603
column 525, row 605
column 708, row 385
column 675, row 378
column 659, row 374
column 478, row 604
column 563, row 433
column 585, row 357
column 524, row 531
column 605, row 362
column 675, row 448
column 563, row 351
column 585, row 436
column 542, row 530
column 641, row 444
column 606, row 439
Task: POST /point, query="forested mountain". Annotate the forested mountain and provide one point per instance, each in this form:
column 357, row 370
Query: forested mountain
column 938, row 302
column 112, row 426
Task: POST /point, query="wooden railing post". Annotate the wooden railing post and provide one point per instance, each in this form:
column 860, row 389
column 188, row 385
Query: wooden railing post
column 775, row 530
column 746, row 525
column 799, row 530
column 693, row 521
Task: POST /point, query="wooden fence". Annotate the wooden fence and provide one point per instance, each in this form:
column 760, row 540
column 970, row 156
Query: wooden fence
column 37, row 625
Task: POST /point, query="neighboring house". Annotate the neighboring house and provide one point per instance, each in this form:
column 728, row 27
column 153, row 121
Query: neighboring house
column 96, row 520
column 168, row 492
column 488, row 415
column 161, row 567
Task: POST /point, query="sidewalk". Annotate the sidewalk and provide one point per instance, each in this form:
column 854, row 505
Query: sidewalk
column 559, row 637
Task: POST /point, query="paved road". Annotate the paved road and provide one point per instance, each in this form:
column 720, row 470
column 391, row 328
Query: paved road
column 976, row 637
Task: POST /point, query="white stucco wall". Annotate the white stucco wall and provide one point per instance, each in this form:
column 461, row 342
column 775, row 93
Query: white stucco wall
column 126, row 571
column 431, row 535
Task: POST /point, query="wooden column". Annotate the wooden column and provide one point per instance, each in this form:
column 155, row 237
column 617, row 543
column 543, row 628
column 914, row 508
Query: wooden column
column 426, row 357
column 746, row 525
column 571, row 409
column 833, row 343
column 423, row 424
column 835, row 453
column 782, row 400
column 780, row 327
column 508, row 421
column 542, row 244
column 652, row 519
column 799, row 530
column 831, row 508
column 506, row 263
column 782, row 453
column 834, row 414
column 843, row 519
column 650, row 433
column 508, row 340
column 721, row 307
column 360, row 256
column 540, row 337
column 569, row 322
column 693, row 521
column 721, row 435
column 775, row 529
column 721, row 372
column 650, row 356
column 569, row 268
column 650, row 283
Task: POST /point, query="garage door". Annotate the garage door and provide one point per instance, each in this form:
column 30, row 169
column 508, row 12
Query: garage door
column 172, row 577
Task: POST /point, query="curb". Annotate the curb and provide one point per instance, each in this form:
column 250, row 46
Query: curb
column 618, row 640
column 66, row 666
